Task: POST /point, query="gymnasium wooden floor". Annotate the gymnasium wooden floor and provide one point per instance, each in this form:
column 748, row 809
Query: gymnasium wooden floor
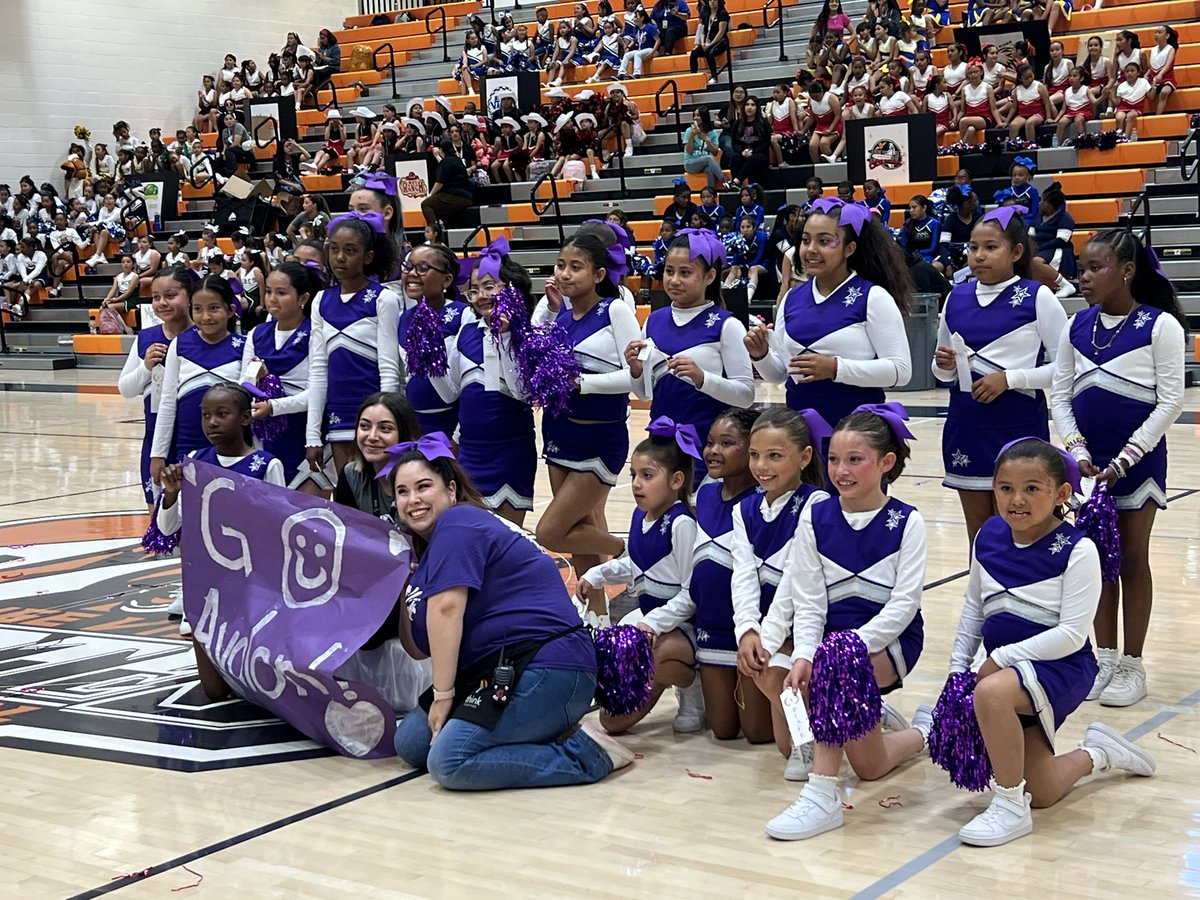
column 685, row 821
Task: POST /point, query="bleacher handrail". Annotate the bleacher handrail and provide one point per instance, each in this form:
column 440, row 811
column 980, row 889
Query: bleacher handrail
column 552, row 202
column 674, row 107
column 778, row 4
column 1189, row 172
column 487, row 236
column 620, row 156
column 391, row 63
column 441, row 29
column 1142, row 202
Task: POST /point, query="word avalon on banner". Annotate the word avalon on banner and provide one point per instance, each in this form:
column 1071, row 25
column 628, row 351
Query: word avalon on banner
column 281, row 590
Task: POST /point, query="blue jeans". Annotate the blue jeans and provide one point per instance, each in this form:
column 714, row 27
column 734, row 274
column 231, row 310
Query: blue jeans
column 524, row 749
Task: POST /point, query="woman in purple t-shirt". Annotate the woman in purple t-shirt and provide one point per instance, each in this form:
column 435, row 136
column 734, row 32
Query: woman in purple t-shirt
column 513, row 668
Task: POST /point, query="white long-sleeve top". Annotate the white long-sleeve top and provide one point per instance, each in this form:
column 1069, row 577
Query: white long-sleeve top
column 383, row 339
column 873, row 353
column 802, row 601
column 30, row 268
column 170, row 518
column 1048, row 327
column 750, row 572
column 1069, row 600
column 734, row 388
column 1161, row 371
column 295, row 381
column 662, row 581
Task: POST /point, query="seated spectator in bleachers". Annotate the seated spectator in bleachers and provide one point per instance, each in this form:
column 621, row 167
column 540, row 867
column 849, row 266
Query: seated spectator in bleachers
column 1055, row 264
column 328, row 57
column 62, row 245
column 962, row 214
column 564, row 55
column 712, row 36
column 75, row 171
column 644, row 47
column 701, row 150
column 670, row 17
column 922, row 232
column 751, row 142
column 452, row 191
column 224, row 78
column 234, row 146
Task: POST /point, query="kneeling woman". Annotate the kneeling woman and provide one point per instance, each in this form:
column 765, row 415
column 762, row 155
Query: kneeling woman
column 513, row 668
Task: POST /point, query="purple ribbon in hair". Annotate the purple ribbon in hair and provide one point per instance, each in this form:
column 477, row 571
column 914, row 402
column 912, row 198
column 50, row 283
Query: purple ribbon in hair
column 617, row 266
column 1069, row 462
column 1001, row 215
column 685, row 435
column 374, row 221
column 893, row 413
column 380, row 181
column 1153, row 257
column 704, row 244
column 852, row 215
column 818, row 428
column 432, row 446
column 488, row 262
column 623, row 237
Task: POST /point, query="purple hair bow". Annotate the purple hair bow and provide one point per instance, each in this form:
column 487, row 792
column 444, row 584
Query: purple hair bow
column 1154, row 261
column 432, row 446
column 380, row 181
column 851, row 215
column 374, row 220
column 1002, row 215
column 685, row 435
column 893, row 413
column 818, row 428
column 623, row 237
column 1070, row 463
column 488, row 262
column 704, row 244
column 617, row 266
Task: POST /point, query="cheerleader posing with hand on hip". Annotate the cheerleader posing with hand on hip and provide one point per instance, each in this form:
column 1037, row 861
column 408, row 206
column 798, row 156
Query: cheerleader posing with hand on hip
column 857, row 564
column 1118, row 386
column 1006, row 328
column 1032, row 593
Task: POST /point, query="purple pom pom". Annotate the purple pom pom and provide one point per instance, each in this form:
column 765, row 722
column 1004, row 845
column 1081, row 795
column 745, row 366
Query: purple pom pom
column 272, row 427
column 548, row 370
column 154, row 541
column 1097, row 518
column 424, row 344
column 955, row 741
column 843, row 700
column 509, row 310
column 624, row 669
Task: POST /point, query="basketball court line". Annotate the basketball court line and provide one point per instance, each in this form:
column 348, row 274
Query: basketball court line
column 179, row 861
column 119, row 487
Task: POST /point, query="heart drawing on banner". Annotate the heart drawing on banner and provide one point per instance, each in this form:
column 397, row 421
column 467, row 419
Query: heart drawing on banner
column 357, row 728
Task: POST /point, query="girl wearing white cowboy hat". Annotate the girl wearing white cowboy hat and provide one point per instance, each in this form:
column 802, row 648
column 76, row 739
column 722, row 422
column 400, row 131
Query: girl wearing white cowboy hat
column 623, row 113
column 438, row 123
column 589, row 141
column 507, row 143
column 365, row 131
column 533, row 145
column 413, row 139
column 415, row 104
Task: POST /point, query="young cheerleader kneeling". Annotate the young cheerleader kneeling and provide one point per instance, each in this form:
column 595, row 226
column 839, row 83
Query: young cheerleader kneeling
column 1031, row 596
column 662, row 537
column 785, row 463
column 857, row 564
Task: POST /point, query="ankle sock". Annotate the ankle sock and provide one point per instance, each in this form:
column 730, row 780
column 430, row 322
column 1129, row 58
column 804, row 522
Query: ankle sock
column 825, row 784
column 1015, row 794
column 1099, row 758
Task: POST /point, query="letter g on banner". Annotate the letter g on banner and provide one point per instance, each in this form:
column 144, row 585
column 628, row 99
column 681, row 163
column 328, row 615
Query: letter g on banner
column 240, row 563
column 312, row 557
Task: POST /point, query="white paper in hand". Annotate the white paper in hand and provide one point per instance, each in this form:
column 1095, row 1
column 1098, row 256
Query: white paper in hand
column 647, row 350
column 962, row 361
column 796, row 714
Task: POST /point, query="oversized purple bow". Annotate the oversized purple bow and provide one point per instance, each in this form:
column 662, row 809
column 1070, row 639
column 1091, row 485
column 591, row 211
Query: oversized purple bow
column 623, row 237
column 317, row 269
column 1154, row 261
column 488, row 262
column 374, row 221
column 617, row 265
column 704, row 244
column 893, row 413
column 1070, row 463
column 432, row 446
column 1002, row 215
column 380, row 181
column 852, row 215
column 818, row 429
column 685, row 435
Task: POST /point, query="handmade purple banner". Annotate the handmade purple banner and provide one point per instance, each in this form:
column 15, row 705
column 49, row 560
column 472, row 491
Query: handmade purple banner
column 281, row 589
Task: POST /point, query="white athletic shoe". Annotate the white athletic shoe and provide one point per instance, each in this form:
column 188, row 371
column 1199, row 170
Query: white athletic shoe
column 1118, row 752
column 1007, row 818
column 628, row 150
column 595, row 174
column 620, row 755
column 830, row 158
column 690, row 717
column 814, row 812
column 185, row 628
column 1067, row 290
column 1108, row 660
column 175, row 610
column 892, row 720
column 1128, row 684
column 799, row 764
column 923, row 721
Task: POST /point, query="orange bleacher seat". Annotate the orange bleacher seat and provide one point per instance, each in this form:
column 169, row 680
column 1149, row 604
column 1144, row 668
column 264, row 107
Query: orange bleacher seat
column 108, row 344
column 346, row 96
column 369, row 77
column 319, row 183
column 353, row 23
column 190, row 192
